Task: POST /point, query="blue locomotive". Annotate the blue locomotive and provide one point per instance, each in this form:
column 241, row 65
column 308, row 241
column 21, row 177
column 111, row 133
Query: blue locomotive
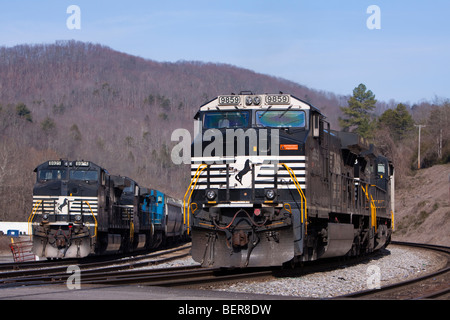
column 79, row 209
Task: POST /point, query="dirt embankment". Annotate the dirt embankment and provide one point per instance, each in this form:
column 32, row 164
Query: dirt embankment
column 423, row 207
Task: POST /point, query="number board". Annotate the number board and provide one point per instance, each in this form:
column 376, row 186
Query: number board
column 229, row 100
column 54, row 163
column 277, row 99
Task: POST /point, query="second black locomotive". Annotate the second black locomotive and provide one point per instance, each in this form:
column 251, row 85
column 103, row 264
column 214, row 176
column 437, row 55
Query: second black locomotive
column 79, row 209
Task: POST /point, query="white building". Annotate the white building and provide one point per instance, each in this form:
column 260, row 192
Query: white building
column 14, row 228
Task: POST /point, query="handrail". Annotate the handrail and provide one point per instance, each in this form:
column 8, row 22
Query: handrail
column 95, row 219
column 304, row 209
column 392, row 220
column 373, row 212
column 31, row 216
column 373, row 208
column 131, row 230
column 186, row 205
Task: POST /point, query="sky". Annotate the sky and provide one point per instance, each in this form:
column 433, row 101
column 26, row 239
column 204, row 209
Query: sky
column 325, row 45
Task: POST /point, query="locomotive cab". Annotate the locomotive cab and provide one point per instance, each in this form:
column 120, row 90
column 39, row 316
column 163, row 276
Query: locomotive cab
column 382, row 175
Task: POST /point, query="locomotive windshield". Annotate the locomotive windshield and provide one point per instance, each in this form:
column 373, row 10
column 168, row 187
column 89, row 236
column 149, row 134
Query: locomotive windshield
column 52, row 174
column 280, row 119
column 219, row 119
column 85, row 175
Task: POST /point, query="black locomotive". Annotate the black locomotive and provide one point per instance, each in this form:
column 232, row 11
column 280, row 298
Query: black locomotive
column 80, row 209
column 272, row 184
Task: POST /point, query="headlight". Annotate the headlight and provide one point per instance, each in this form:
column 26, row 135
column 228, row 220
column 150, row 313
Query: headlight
column 45, row 216
column 270, row 194
column 255, row 100
column 211, row 195
column 78, row 218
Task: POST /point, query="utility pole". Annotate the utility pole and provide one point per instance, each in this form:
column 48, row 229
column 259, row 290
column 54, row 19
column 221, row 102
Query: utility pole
column 418, row 155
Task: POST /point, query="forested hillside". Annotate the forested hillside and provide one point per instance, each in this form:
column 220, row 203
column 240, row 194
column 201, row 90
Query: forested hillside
column 84, row 101
column 78, row 100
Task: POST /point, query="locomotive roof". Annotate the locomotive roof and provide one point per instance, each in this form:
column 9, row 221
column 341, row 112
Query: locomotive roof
column 247, row 100
column 122, row 181
column 67, row 164
column 352, row 141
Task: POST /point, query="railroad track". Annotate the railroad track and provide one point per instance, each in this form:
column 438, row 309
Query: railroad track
column 125, row 271
column 54, row 272
column 92, row 261
column 435, row 285
column 193, row 276
column 431, row 286
column 29, row 265
column 177, row 276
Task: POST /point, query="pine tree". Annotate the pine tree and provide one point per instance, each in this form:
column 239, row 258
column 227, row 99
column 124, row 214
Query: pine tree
column 358, row 116
column 23, row 111
column 398, row 121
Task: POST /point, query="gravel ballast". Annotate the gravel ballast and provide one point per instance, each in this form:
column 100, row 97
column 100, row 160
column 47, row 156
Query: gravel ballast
column 390, row 265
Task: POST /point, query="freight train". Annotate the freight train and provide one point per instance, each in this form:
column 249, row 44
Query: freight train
column 272, row 184
column 79, row 209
